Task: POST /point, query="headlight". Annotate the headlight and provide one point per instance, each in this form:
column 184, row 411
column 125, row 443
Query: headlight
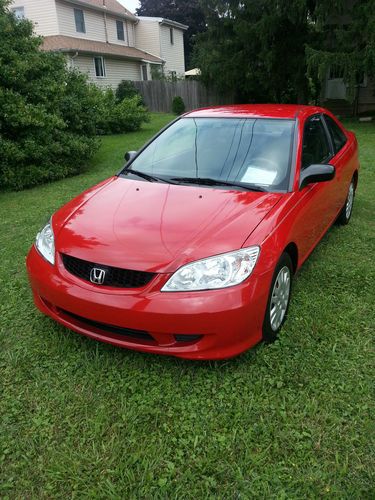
column 45, row 242
column 221, row 271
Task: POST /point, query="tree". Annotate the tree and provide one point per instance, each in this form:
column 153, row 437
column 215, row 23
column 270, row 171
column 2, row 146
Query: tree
column 272, row 51
column 255, row 48
column 185, row 12
column 344, row 41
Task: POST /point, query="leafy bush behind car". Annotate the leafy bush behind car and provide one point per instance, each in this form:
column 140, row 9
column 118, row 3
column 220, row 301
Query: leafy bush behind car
column 49, row 115
column 127, row 89
column 126, row 115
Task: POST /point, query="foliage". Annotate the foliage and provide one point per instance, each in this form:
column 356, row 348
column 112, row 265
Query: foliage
column 293, row 420
column 178, row 105
column 126, row 89
column 122, row 116
column 344, row 41
column 46, row 112
column 189, row 13
column 49, row 115
column 280, row 52
column 256, row 49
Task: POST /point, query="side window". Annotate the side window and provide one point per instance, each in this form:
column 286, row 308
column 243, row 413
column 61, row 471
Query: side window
column 120, row 30
column 19, row 12
column 99, row 67
column 315, row 145
column 79, row 20
column 338, row 136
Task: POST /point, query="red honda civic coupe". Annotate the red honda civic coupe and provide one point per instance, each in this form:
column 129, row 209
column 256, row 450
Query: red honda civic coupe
column 190, row 250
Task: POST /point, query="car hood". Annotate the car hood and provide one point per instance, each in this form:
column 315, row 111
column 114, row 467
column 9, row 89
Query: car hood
column 157, row 227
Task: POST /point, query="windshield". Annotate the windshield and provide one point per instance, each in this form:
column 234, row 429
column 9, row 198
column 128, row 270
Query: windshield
column 241, row 151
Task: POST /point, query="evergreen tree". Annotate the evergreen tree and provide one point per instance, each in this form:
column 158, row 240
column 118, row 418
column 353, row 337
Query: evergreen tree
column 272, row 51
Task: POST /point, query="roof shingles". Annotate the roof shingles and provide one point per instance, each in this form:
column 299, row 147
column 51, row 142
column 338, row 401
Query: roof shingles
column 60, row 43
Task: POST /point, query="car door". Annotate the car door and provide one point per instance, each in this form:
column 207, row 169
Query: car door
column 316, row 203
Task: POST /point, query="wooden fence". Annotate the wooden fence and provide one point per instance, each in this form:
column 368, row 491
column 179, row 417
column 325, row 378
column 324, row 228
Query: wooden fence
column 158, row 94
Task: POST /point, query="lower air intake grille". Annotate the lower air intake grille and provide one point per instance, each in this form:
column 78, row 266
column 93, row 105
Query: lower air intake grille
column 118, row 330
column 114, row 276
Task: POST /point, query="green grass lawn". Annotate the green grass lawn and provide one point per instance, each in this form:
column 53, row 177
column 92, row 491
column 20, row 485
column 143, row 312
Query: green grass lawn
column 291, row 420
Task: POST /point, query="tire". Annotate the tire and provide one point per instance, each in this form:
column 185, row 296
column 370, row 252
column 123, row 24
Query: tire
column 346, row 211
column 278, row 305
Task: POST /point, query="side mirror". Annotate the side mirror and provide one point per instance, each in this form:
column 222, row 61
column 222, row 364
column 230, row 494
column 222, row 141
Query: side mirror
column 129, row 155
column 316, row 173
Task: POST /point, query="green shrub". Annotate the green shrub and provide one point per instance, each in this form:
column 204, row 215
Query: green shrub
column 47, row 113
column 178, row 105
column 126, row 90
column 120, row 117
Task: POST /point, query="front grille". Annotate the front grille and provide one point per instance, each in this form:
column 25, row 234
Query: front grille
column 118, row 330
column 114, row 276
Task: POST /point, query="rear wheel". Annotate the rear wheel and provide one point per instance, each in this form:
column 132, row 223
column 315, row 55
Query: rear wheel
column 279, row 298
column 347, row 209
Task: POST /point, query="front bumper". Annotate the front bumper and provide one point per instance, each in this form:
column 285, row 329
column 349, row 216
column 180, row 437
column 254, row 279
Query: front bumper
column 223, row 323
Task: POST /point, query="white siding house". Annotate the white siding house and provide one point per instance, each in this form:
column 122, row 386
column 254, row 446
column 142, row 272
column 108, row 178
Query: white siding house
column 100, row 38
column 165, row 39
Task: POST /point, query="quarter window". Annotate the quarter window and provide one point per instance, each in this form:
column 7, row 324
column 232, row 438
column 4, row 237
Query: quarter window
column 171, row 35
column 99, row 66
column 315, row 146
column 338, row 136
column 120, row 30
column 79, row 20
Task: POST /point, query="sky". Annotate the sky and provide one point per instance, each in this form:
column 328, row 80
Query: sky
column 130, row 4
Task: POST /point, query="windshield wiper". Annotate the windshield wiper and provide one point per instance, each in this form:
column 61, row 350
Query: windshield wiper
column 207, row 181
column 147, row 177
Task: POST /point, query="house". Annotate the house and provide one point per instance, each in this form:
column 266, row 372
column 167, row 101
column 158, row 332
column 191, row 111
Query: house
column 106, row 41
column 164, row 39
column 334, row 93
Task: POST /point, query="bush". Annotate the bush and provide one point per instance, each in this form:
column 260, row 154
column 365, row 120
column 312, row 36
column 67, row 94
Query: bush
column 126, row 90
column 119, row 117
column 178, row 105
column 47, row 116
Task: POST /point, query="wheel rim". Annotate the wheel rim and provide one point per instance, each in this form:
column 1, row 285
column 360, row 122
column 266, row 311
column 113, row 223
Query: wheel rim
column 349, row 201
column 280, row 298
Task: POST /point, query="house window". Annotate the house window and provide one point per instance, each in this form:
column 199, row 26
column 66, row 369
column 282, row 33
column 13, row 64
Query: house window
column 173, row 75
column 19, row 12
column 120, row 30
column 144, row 72
column 171, row 35
column 80, row 21
column 99, row 67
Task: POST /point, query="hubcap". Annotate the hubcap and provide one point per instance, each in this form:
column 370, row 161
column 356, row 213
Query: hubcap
column 349, row 201
column 280, row 298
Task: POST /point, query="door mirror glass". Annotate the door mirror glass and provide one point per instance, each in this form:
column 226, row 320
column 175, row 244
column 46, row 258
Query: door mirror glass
column 316, row 173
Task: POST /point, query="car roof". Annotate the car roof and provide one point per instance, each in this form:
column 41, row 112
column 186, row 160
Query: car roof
column 284, row 111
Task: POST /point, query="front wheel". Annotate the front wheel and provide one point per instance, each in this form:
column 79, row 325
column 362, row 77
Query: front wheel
column 279, row 298
column 347, row 209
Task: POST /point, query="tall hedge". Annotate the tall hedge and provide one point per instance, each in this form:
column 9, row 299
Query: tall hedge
column 46, row 112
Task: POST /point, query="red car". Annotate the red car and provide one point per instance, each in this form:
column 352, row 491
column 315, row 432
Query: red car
column 191, row 249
